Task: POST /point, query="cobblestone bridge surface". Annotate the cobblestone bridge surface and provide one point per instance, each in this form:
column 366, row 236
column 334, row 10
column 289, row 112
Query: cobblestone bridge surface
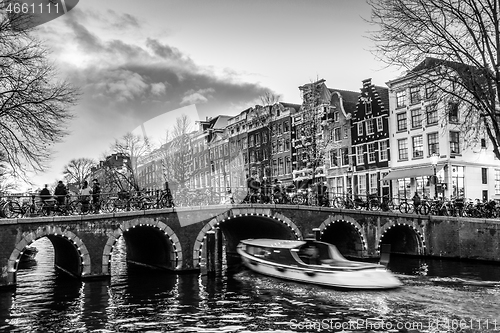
column 175, row 238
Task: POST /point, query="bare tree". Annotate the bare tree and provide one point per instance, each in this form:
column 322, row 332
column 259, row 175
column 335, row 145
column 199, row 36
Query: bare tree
column 133, row 147
column 7, row 182
column 269, row 98
column 33, row 103
column 177, row 153
column 78, row 170
column 460, row 40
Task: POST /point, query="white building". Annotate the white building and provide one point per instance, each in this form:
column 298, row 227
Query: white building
column 422, row 125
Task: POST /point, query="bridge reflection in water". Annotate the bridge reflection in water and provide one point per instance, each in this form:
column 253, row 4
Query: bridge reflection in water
column 237, row 300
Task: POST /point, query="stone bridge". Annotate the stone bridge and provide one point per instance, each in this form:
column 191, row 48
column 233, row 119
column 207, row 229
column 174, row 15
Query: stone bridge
column 178, row 238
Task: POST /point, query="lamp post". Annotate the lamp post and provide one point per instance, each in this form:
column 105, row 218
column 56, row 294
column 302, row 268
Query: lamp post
column 350, row 172
column 434, row 160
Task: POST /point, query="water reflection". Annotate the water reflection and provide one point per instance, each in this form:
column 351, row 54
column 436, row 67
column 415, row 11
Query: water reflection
column 238, row 300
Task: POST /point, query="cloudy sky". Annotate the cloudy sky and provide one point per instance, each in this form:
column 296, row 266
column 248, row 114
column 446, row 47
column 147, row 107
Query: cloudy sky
column 135, row 60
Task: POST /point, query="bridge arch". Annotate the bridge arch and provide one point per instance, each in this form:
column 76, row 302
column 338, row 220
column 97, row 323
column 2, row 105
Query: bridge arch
column 354, row 228
column 71, row 254
column 413, row 232
column 234, row 214
column 176, row 255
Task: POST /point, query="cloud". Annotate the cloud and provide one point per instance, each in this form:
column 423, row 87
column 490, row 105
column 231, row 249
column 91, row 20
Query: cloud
column 122, row 21
column 125, row 82
column 197, row 97
column 158, row 89
column 123, row 85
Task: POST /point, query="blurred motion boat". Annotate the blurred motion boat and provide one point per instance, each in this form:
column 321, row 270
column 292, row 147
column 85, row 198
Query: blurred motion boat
column 312, row 261
column 28, row 255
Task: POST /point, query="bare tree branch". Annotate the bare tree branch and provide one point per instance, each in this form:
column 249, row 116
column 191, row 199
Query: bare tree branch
column 459, row 43
column 33, row 103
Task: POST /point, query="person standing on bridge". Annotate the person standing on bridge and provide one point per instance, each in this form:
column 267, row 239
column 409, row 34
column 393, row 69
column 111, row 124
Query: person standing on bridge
column 85, row 193
column 60, row 193
column 96, row 193
column 46, row 198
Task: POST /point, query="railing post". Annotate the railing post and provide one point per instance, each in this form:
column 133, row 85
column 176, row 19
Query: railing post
column 317, row 234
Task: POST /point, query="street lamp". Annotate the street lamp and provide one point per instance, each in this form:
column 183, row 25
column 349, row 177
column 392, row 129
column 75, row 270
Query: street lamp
column 350, row 172
column 434, row 160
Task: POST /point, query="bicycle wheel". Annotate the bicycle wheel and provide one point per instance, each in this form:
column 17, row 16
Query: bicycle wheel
column 424, row 209
column 374, row 205
column 11, row 210
column 405, row 208
column 79, row 208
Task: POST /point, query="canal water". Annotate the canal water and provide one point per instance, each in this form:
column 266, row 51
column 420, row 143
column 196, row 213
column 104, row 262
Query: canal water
column 438, row 296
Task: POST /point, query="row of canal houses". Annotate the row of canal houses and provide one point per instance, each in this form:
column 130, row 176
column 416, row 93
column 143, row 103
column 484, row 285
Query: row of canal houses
column 394, row 141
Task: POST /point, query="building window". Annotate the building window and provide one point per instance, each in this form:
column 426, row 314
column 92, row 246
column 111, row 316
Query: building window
column 345, row 156
column 280, row 166
column 368, row 108
column 336, row 134
column 415, row 95
column 288, row 165
column 497, row 181
column 432, row 114
column 286, row 128
column 373, row 183
column 333, row 158
column 383, row 155
column 401, row 120
column 336, row 116
column 287, row 144
column 453, row 112
column 360, row 155
column 416, row 118
column 264, row 138
column 340, row 185
column 433, row 143
column 400, row 99
column 457, row 181
column 418, row 146
column 430, row 91
column 483, row 143
column 362, row 184
column 275, row 167
column 360, row 128
column 403, row 149
column 250, row 141
column 484, row 175
column 369, row 126
column 257, row 139
column 372, row 152
column 380, row 124
column 455, row 142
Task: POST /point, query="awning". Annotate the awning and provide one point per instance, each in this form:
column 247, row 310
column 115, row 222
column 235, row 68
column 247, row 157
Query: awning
column 412, row 173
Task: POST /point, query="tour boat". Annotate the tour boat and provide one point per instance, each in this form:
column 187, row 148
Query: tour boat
column 29, row 254
column 312, row 261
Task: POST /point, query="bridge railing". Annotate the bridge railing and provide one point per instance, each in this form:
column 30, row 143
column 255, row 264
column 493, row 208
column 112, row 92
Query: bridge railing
column 33, row 205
